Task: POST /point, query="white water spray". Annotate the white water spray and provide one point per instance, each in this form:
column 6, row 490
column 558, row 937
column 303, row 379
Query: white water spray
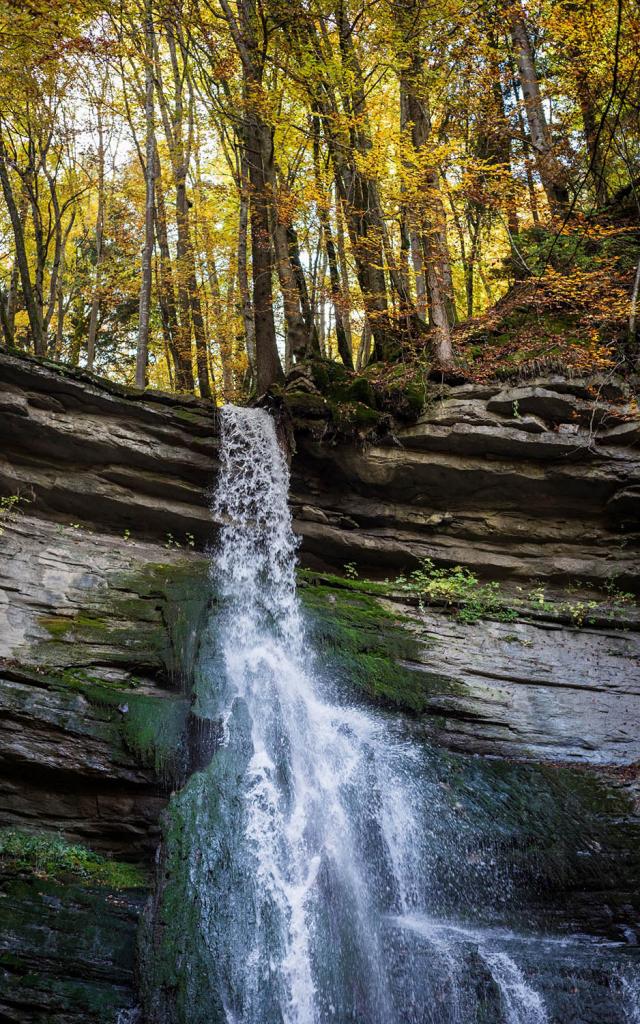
column 329, row 806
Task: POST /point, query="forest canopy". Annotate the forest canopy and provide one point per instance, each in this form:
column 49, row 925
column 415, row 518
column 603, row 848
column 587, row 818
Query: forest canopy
column 198, row 194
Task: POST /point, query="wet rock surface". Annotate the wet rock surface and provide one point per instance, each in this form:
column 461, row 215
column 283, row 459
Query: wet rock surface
column 101, row 597
column 97, row 638
column 537, row 485
column 67, row 952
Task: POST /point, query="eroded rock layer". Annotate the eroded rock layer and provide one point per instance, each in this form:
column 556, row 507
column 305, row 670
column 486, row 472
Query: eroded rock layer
column 105, row 586
column 102, row 595
column 534, row 482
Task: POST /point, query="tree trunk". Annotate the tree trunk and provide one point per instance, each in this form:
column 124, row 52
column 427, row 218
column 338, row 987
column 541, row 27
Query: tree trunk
column 589, row 122
column 418, row 270
column 312, row 345
column 7, row 333
column 34, row 308
column 12, row 292
column 268, row 366
column 168, row 309
column 142, row 354
column 99, row 233
column 297, row 333
column 551, row 172
column 246, row 308
column 344, row 275
column 344, row 343
column 432, row 223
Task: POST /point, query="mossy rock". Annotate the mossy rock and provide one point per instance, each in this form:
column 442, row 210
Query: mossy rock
column 48, row 855
column 147, row 621
column 326, row 374
column 363, row 645
column 305, row 404
column 349, row 418
column 67, row 945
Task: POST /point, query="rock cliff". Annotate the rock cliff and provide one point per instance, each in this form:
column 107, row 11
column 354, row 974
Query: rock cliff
column 540, row 481
column 104, row 586
column 101, row 598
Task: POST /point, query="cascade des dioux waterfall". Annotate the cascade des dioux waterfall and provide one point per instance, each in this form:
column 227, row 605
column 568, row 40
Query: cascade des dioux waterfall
column 326, row 879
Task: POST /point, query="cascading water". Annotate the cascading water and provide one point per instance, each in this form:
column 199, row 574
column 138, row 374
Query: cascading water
column 330, row 848
column 316, row 851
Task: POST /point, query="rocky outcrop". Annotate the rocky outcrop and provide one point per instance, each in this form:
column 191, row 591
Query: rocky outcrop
column 98, row 636
column 532, row 689
column 534, row 482
column 102, row 593
column 536, row 486
column 82, row 449
column 103, row 586
column 528, row 688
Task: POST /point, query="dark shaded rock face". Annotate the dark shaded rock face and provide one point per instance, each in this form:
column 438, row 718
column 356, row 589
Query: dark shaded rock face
column 535, row 482
column 102, row 595
column 96, row 453
column 104, row 589
column 67, row 953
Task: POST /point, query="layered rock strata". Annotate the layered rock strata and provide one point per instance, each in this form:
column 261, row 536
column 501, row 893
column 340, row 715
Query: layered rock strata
column 104, row 586
column 540, row 481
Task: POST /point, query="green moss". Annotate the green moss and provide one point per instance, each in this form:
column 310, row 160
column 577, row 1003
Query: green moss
column 150, row 726
column 72, row 939
column 326, row 374
column 301, row 403
column 367, row 646
column 356, row 404
column 375, row 588
column 50, row 856
column 350, row 417
column 155, row 730
column 189, row 416
column 147, row 623
column 56, row 625
column 564, row 828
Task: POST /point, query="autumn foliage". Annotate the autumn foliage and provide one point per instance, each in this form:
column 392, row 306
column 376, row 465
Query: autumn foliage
column 200, row 194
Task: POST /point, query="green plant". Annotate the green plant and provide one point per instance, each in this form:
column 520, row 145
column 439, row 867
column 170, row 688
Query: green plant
column 457, row 588
column 580, row 612
column 537, row 598
column 9, row 508
column 616, row 596
column 351, row 571
column 51, row 856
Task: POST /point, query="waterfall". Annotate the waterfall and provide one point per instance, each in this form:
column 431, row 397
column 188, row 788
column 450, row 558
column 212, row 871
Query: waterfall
column 314, row 820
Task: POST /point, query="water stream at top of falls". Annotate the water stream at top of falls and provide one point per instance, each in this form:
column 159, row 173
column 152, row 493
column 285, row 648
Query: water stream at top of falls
column 311, row 873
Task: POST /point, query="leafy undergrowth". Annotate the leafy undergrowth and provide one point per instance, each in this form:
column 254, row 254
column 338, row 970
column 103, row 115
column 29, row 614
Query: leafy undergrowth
column 50, row 856
column 460, row 592
column 571, row 314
